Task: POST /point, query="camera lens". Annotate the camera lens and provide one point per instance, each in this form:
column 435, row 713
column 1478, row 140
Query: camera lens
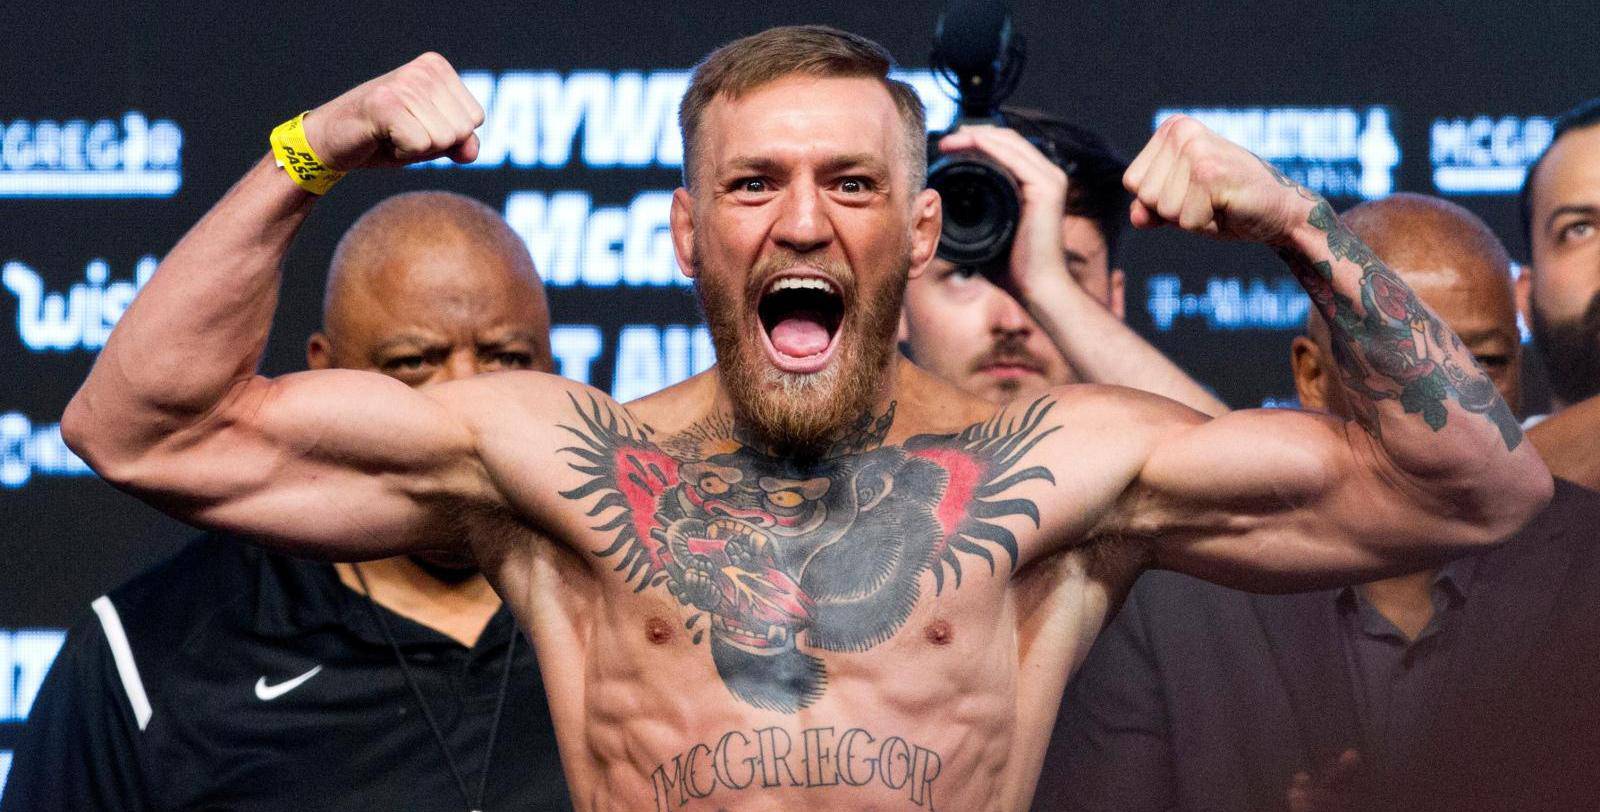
column 980, row 209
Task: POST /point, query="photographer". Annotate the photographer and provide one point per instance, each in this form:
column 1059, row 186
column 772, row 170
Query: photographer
column 1050, row 313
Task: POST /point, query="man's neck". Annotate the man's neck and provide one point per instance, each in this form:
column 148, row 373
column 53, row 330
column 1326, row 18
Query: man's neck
column 459, row 610
column 1404, row 600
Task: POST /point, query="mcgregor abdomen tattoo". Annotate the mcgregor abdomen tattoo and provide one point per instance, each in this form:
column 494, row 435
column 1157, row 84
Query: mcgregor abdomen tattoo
column 769, row 758
column 781, row 556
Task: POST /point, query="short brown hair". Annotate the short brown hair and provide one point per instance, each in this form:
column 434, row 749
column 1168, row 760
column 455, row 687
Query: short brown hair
column 810, row 50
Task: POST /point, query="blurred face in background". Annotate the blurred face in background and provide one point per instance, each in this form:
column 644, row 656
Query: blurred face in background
column 963, row 325
column 1561, row 292
column 432, row 310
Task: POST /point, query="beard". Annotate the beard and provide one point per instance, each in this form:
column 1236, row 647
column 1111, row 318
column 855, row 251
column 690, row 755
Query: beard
column 802, row 414
column 1571, row 352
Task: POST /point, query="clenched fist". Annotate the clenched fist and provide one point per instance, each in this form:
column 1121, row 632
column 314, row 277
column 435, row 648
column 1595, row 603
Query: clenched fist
column 416, row 112
column 1191, row 177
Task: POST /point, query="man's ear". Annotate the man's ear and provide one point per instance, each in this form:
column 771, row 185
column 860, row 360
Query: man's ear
column 928, row 212
column 683, row 231
column 1311, row 373
column 319, row 352
column 1117, row 291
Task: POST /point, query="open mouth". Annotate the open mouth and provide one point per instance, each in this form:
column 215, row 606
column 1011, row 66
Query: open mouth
column 800, row 319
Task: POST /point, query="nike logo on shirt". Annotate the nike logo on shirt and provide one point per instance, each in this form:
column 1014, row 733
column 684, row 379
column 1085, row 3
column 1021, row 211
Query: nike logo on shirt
column 267, row 693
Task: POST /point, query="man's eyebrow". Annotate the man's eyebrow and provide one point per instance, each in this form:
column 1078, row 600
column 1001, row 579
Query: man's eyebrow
column 863, row 160
column 757, row 163
column 1571, row 208
column 1486, row 335
column 754, row 163
column 1076, row 256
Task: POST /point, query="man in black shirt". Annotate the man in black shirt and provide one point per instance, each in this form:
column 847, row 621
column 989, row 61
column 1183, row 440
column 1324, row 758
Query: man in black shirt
column 234, row 678
column 1468, row 687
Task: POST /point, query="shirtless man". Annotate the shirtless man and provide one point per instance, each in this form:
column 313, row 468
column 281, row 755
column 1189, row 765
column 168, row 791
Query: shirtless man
column 813, row 577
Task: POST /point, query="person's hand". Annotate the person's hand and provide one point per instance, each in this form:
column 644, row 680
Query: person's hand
column 1036, row 255
column 416, row 112
column 1191, row 177
column 1333, row 791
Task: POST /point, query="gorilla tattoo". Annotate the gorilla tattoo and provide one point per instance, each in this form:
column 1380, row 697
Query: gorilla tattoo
column 784, row 555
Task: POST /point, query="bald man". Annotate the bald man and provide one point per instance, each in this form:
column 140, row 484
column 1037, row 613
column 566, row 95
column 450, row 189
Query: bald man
column 1467, row 686
column 232, row 677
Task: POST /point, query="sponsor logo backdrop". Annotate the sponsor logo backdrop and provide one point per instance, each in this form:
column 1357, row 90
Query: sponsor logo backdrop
column 120, row 126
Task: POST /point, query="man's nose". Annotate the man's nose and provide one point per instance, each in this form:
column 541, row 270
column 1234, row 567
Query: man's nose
column 460, row 364
column 1006, row 314
column 803, row 223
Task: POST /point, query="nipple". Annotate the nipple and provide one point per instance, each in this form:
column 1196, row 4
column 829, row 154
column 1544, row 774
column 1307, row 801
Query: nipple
column 657, row 631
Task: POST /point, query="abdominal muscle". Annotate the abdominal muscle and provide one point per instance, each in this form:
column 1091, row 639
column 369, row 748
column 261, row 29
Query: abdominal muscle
column 932, row 718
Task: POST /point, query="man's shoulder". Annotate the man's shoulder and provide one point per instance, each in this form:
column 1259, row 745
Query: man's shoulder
column 1116, row 421
column 526, row 397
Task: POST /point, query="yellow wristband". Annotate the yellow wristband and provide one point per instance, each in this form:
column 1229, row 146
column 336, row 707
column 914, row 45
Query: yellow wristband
column 293, row 152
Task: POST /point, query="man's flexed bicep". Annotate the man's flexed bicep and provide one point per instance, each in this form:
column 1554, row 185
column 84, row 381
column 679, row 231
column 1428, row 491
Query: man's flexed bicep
column 1434, row 459
column 335, row 463
column 1281, row 500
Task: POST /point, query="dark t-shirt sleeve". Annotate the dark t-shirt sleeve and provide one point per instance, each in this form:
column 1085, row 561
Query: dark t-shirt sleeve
column 79, row 749
column 1111, row 749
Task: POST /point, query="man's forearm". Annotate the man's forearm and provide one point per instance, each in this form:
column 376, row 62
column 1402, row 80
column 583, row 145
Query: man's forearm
column 201, row 323
column 1104, row 349
column 1401, row 366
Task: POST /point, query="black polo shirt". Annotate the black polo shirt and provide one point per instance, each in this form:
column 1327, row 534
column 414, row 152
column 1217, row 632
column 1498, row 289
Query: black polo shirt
column 234, row 678
column 1397, row 681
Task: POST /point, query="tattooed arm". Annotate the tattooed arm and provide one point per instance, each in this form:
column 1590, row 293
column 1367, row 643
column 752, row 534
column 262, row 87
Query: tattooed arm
column 1433, row 462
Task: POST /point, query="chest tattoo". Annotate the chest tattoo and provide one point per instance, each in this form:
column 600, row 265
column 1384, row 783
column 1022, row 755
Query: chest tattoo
column 783, row 556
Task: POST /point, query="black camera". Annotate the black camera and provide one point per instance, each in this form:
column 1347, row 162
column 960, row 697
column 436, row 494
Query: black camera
column 977, row 51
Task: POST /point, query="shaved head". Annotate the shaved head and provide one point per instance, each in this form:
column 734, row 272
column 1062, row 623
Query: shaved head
column 1457, row 267
column 429, row 286
column 403, row 234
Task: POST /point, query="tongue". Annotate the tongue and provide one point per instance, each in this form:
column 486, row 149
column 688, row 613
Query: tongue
column 799, row 336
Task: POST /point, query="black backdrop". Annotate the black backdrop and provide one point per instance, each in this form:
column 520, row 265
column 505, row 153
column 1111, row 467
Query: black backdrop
column 127, row 101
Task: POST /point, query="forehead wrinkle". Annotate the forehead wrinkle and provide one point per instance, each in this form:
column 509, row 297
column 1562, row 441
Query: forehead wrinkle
column 800, row 118
column 408, row 339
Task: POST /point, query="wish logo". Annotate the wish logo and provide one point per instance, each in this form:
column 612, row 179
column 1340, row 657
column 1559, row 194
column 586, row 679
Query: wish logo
column 81, row 317
column 1486, row 155
column 1342, row 152
column 127, row 157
